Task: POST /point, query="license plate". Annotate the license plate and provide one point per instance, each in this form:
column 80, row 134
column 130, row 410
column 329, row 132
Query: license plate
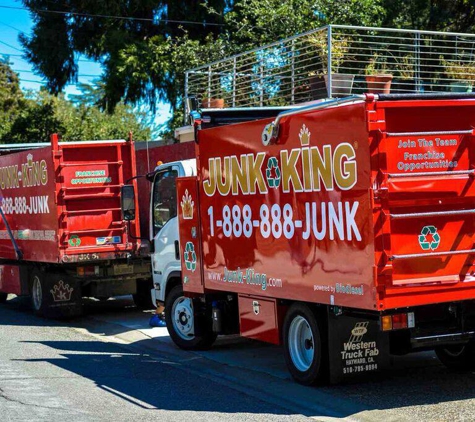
column 121, row 269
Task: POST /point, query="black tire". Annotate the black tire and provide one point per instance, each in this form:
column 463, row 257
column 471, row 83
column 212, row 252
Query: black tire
column 304, row 346
column 182, row 322
column 143, row 297
column 3, row 297
column 38, row 293
column 458, row 357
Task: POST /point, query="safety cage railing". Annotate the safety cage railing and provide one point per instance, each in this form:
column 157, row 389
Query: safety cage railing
column 337, row 61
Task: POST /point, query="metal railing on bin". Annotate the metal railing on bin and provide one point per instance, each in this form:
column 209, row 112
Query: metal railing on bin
column 337, row 61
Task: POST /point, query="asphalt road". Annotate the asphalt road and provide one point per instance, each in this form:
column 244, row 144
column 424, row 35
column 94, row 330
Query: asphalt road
column 109, row 365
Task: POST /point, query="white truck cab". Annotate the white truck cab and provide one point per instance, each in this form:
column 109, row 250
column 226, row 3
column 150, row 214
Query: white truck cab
column 164, row 226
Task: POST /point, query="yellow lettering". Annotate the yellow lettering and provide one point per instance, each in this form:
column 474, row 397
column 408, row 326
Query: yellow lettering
column 289, row 170
column 344, row 166
column 307, row 170
column 254, row 165
column 223, row 178
column 44, row 172
column 209, row 185
column 239, row 175
column 322, row 168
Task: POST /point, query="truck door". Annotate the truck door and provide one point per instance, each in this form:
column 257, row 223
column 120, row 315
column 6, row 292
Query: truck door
column 164, row 227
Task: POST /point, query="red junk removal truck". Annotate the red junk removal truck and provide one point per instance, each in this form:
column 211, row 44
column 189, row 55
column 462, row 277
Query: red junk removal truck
column 62, row 234
column 343, row 230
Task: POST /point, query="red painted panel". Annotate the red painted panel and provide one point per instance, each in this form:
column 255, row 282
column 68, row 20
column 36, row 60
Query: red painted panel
column 89, row 182
column 27, row 183
column 10, row 279
column 190, row 236
column 425, row 151
column 258, row 319
column 333, row 212
column 296, row 238
column 65, row 200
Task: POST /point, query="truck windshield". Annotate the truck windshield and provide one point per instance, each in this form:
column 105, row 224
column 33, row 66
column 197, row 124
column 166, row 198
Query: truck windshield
column 164, row 198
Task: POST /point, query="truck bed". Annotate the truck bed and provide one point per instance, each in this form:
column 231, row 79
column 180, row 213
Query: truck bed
column 365, row 203
column 62, row 202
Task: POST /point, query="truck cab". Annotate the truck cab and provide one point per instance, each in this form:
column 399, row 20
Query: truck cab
column 166, row 267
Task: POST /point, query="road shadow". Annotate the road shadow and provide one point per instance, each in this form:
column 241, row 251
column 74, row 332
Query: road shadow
column 147, row 364
column 151, row 382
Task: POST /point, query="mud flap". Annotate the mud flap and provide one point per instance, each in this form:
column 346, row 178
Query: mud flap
column 62, row 297
column 356, row 346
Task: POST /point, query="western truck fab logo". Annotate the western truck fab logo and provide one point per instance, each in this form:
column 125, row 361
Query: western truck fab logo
column 322, row 168
column 32, row 173
column 358, row 352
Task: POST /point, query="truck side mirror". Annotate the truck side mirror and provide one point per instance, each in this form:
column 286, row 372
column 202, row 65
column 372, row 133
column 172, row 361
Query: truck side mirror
column 127, row 197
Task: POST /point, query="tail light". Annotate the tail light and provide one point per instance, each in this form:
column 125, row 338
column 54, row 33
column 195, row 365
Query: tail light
column 397, row 321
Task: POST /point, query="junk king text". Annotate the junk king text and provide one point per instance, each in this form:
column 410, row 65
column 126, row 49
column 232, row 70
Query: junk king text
column 307, row 169
column 320, row 170
column 30, row 174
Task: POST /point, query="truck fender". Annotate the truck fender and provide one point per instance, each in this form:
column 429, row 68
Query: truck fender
column 173, row 279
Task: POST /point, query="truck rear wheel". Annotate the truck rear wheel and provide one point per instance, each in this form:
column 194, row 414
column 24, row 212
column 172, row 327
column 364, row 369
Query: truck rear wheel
column 182, row 323
column 38, row 292
column 303, row 345
column 459, row 357
column 3, row 297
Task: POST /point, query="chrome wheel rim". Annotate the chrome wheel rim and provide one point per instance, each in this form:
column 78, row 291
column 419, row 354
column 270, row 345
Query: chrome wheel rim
column 37, row 293
column 183, row 319
column 301, row 343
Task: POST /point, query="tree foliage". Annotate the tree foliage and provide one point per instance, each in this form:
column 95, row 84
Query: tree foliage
column 256, row 22
column 11, row 97
column 34, row 116
column 144, row 60
column 433, row 15
column 87, row 27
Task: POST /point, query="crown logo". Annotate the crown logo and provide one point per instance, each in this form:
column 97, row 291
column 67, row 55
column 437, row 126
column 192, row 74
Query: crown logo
column 61, row 292
column 187, row 205
column 304, row 136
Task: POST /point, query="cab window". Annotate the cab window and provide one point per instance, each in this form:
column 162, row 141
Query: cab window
column 164, row 198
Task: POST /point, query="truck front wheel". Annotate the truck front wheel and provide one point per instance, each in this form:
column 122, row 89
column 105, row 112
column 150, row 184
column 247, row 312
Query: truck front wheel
column 303, row 345
column 182, row 323
column 459, row 357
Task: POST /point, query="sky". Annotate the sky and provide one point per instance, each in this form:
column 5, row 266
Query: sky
column 12, row 23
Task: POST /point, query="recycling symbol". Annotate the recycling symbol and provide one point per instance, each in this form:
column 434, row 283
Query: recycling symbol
column 273, row 173
column 429, row 238
column 74, row 240
column 190, row 257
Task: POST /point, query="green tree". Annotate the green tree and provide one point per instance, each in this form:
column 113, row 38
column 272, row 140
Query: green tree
column 11, row 97
column 256, row 22
column 432, row 15
column 44, row 113
column 145, row 61
column 78, row 28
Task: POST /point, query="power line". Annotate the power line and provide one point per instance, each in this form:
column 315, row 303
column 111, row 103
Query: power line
column 44, row 83
column 90, row 15
column 11, row 46
column 20, row 57
column 10, row 26
column 31, row 71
